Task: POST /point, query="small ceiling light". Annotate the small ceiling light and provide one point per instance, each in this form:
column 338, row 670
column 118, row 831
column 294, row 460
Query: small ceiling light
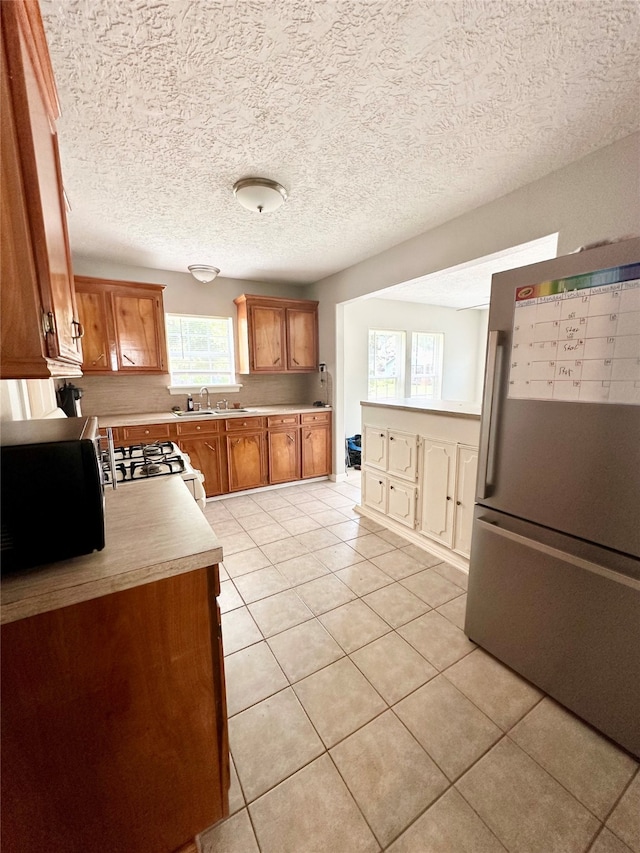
column 203, row 272
column 259, row 194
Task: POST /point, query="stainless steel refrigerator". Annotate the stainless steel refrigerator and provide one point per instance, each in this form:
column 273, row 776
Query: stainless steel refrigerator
column 554, row 578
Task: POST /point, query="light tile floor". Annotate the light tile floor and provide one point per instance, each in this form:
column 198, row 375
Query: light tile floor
column 361, row 718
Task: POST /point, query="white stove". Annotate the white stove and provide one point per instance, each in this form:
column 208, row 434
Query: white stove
column 147, row 461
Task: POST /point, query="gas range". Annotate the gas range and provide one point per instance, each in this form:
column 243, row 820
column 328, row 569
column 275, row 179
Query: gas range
column 146, row 461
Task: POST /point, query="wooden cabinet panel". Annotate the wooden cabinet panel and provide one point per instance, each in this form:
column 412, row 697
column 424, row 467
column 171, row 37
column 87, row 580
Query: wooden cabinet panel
column 268, row 338
column 284, row 455
column 283, row 421
column 316, row 451
column 277, row 335
column 114, row 721
column 242, row 424
column 302, row 339
column 246, row 460
column 131, row 318
column 97, row 348
column 40, row 330
column 309, row 419
column 137, row 319
column 195, row 428
column 205, row 455
column 144, row 434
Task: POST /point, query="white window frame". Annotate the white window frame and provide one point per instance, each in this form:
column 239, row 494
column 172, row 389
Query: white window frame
column 400, row 360
column 232, row 386
column 436, row 375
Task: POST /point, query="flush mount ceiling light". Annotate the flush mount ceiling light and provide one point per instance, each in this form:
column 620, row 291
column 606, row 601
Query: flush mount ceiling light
column 203, row 272
column 259, row 194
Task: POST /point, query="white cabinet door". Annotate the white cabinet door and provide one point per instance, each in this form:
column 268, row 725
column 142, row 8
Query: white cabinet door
column 401, row 502
column 438, row 488
column 466, row 472
column 375, row 447
column 374, row 490
column 403, row 455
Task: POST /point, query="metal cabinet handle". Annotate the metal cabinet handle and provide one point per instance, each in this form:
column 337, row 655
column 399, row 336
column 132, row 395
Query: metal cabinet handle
column 99, row 358
column 391, row 438
column 381, row 435
column 448, row 498
column 130, row 360
column 458, row 503
column 80, row 330
column 206, row 444
column 295, row 361
column 290, row 437
column 277, row 360
column 391, row 488
column 198, row 427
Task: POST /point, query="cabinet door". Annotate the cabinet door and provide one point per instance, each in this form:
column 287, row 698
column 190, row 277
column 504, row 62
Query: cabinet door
column 205, row 455
column 401, row 502
column 466, row 473
column 246, row 461
column 41, row 334
column 402, row 459
column 284, row 456
column 316, row 451
column 374, row 490
column 438, row 488
column 375, row 448
column 267, row 330
column 139, row 341
column 98, row 356
column 302, row 339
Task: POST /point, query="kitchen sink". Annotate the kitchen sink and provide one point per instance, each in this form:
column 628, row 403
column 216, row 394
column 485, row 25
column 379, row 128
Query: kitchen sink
column 208, row 412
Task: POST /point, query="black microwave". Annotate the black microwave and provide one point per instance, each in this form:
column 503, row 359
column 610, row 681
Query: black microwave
column 52, row 491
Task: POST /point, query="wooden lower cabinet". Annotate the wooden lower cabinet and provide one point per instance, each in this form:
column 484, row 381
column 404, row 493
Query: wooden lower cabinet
column 284, row 455
column 316, row 450
column 246, row 461
column 114, row 733
column 206, row 456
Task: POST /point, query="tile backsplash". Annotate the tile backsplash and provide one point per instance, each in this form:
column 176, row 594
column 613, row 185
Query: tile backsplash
column 119, row 395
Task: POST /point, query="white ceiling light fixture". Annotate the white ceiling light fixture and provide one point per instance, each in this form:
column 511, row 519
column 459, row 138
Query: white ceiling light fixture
column 260, row 194
column 203, row 272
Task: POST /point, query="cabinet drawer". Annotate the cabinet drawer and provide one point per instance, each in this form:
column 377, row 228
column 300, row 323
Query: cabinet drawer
column 320, row 418
column 151, row 432
column 283, row 420
column 236, row 425
column 202, row 427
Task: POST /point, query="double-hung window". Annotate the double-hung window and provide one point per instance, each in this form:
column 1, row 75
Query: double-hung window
column 386, row 364
column 426, row 364
column 200, row 350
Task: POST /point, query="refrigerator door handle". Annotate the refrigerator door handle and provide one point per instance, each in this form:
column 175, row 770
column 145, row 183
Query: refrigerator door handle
column 493, row 344
column 557, row 554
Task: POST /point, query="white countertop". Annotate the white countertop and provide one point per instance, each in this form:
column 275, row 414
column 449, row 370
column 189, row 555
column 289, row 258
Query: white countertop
column 435, row 407
column 154, row 529
column 168, row 417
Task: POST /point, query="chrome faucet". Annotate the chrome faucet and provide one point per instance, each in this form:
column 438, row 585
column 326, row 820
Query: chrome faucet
column 224, row 402
column 206, row 391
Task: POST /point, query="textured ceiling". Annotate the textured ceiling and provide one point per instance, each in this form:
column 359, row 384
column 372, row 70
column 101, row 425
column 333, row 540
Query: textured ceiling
column 382, row 118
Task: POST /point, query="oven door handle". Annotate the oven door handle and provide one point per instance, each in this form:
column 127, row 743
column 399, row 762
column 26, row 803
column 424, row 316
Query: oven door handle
column 112, row 457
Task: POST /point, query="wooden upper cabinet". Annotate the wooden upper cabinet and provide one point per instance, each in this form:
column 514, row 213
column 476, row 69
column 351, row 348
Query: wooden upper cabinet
column 268, row 338
column 277, row 335
column 302, row 338
column 40, row 329
column 123, row 326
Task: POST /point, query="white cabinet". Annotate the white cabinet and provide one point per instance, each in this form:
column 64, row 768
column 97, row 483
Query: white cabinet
column 466, row 473
column 448, row 490
column 438, row 487
column 392, row 451
column 390, row 496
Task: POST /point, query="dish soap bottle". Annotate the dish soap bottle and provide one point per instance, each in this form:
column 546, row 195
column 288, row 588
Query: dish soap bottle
column 189, row 403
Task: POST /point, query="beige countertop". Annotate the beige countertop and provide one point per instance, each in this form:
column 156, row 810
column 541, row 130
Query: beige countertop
column 154, row 529
column 168, row 417
column 432, row 407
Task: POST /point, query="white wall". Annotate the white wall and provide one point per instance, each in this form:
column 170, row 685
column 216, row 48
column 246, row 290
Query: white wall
column 461, row 347
column 595, row 198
